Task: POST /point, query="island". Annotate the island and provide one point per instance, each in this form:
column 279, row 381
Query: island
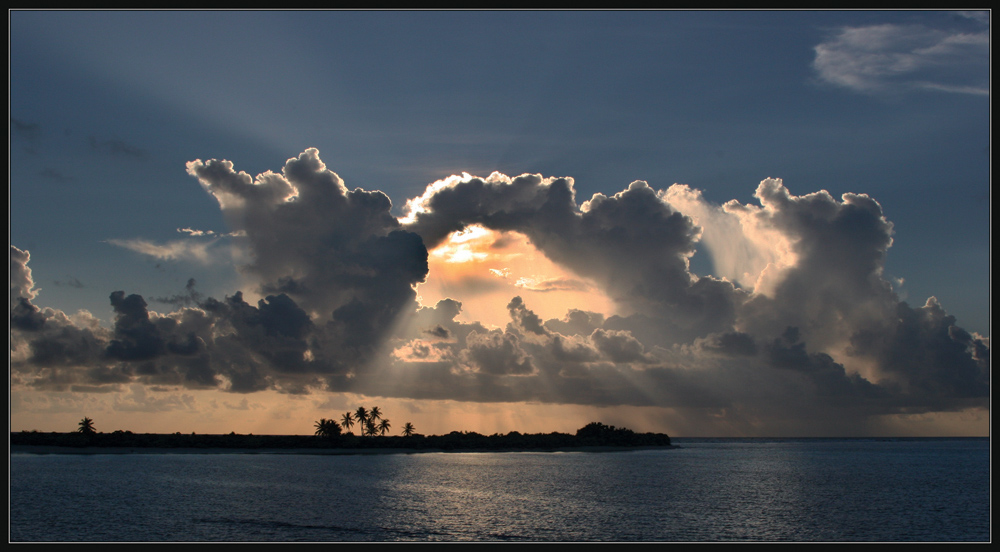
column 594, row 437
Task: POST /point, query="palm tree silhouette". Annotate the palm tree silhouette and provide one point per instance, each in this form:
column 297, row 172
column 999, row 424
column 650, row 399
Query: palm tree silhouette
column 408, row 429
column 373, row 416
column 327, row 428
column 87, row 426
column 321, row 427
column 383, row 427
column 347, row 421
column 361, row 416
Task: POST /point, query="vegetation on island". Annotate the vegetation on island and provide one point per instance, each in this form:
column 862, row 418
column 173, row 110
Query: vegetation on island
column 373, row 429
column 87, row 426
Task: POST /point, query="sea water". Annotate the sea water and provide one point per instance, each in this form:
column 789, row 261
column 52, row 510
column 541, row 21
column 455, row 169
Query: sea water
column 705, row 490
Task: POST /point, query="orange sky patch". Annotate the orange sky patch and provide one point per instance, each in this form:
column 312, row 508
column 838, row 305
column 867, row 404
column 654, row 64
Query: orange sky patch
column 484, row 269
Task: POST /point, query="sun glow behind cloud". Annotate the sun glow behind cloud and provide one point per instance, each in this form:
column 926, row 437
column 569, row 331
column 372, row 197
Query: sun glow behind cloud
column 521, row 263
column 484, row 269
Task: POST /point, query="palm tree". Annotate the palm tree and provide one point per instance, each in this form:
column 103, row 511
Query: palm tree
column 361, row 416
column 370, row 426
column 347, row 421
column 321, row 426
column 87, row 426
column 408, row 429
column 383, row 427
column 327, row 428
column 373, row 416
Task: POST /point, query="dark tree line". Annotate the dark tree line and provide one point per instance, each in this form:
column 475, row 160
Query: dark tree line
column 594, row 434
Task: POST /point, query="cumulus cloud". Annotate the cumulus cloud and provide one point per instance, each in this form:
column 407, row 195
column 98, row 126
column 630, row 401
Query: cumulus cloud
column 881, row 58
column 633, row 244
column 21, row 283
column 338, row 252
column 813, row 332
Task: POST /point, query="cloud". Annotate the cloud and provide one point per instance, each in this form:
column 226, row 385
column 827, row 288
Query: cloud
column 497, row 353
column 633, row 244
column 138, row 399
column 188, row 298
column 884, row 58
column 196, row 233
column 339, row 252
column 814, row 337
column 200, row 233
column 982, row 16
column 70, row 282
column 535, row 283
column 182, row 250
column 21, row 283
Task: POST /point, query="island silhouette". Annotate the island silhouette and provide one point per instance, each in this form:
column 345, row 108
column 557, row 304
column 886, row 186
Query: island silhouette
column 333, row 437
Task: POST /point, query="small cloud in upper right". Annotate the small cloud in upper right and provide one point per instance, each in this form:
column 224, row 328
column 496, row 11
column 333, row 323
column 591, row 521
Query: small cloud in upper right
column 983, row 16
column 893, row 58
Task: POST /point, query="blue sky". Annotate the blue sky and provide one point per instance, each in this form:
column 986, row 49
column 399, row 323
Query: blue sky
column 108, row 107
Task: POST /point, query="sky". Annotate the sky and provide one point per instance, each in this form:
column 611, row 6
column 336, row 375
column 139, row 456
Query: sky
column 704, row 223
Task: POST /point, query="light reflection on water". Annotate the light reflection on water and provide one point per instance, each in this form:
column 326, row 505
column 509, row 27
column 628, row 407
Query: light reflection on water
column 739, row 490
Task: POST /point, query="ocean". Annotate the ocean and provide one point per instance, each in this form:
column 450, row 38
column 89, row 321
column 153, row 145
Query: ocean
column 742, row 490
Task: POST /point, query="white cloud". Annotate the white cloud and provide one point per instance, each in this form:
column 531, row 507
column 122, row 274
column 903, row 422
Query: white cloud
column 181, row 250
column 892, row 58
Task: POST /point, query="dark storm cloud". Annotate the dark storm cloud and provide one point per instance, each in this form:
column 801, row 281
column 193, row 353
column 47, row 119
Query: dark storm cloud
column 26, row 317
column 497, row 353
column 826, row 341
column 135, row 337
column 830, row 378
column 618, row 346
column 730, row 343
column 927, row 354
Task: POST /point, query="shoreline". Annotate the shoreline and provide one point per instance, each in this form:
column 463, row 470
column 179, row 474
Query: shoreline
column 51, row 449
